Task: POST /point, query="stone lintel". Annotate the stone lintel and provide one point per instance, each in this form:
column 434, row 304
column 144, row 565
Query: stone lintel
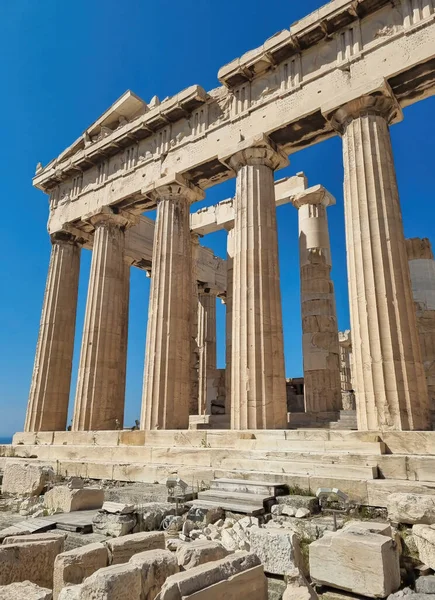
column 221, row 215
column 375, row 98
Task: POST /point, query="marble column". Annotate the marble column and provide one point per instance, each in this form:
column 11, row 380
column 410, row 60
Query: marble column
column 422, row 269
column 258, row 394
column 347, row 393
column 194, row 406
column 321, row 355
column 345, row 343
column 100, row 395
column 207, row 350
column 228, row 319
column 167, row 375
column 390, row 386
column 47, row 408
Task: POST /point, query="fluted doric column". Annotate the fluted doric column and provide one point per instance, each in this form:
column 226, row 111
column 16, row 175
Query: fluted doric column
column 194, row 406
column 389, row 378
column 167, row 375
column 229, row 319
column 47, row 408
column 206, row 350
column 422, row 268
column 258, row 394
column 347, row 392
column 100, row 395
column 322, row 389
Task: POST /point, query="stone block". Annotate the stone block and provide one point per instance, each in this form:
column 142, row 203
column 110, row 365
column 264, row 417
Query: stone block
column 24, row 590
column 203, row 577
column 295, row 502
column 72, row 592
column 117, row 582
column 425, row 584
column 298, row 587
column 362, row 563
column 205, row 516
column 31, row 561
column 117, row 508
column 123, row 548
column 151, row 514
column 35, row 537
column 156, row 566
column 369, row 527
column 199, row 552
column 277, row 549
column 26, row 479
column 71, row 568
column 411, row 508
column 248, row 585
column 67, row 500
column 113, row 525
column 424, row 538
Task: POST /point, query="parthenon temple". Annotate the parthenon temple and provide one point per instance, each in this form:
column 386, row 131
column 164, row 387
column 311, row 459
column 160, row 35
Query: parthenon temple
column 346, row 70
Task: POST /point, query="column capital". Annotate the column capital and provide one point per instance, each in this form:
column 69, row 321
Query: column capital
column 379, row 101
column 257, row 150
column 345, row 338
column 64, row 237
column 174, row 187
column 108, row 216
column 313, row 195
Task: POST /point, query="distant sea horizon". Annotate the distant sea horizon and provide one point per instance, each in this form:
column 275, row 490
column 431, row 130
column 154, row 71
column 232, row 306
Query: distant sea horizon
column 6, row 439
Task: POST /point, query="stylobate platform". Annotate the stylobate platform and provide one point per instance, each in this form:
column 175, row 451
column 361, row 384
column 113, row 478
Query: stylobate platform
column 368, row 466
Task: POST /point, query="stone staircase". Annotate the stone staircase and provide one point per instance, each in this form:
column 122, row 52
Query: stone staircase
column 346, row 421
column 252, row 498
column 368, row 466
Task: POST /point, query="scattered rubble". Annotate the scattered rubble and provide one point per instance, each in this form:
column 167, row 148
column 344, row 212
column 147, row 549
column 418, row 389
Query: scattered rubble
column 199, row 552
column 411, row 508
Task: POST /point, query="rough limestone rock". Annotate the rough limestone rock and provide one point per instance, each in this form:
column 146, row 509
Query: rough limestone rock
column 26, row 479
column 156, row 566
column 71, row 568
column 117, row 582
column 302, row 513
column 277, row 549
column 425, row 584
column 424, row 538
column 205, row 516
column 151, row 515
column 73, row 592
column 369, row 527
column 362, row 563
column 31, row 561
column 295, row 502
column 411, row 508
column 123, row 548
column 199, row 552
column 189, row 582
column 67, row 500
column 298, row 587
column 113, row 525
column 408, row 594
column 25, row 590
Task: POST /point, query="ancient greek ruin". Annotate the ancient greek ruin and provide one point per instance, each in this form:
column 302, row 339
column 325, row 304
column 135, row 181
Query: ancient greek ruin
column 320, row 483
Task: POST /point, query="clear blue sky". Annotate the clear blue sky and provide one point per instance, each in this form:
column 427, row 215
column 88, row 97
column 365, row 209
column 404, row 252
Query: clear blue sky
column 63, row 63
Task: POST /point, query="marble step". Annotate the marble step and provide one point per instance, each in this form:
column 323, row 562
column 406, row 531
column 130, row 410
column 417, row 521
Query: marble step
column 241, row 486
column 232, row 506
column 247, row 498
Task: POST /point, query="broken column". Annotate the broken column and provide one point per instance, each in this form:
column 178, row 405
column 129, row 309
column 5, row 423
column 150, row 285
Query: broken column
column 258, row 394
column 207, row 390
column 47, row 408
column 422, row 269
column 322, row 388
column 99, row 402
column 390, row 386
column 167, row 375
column 347, row 393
